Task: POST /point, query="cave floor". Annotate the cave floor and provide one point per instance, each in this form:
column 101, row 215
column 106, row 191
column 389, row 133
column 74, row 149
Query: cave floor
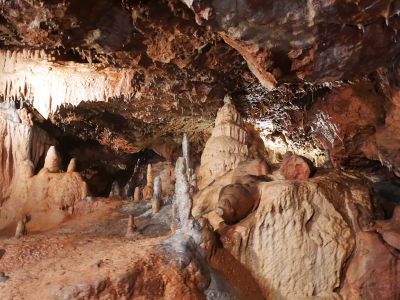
column 88, row 256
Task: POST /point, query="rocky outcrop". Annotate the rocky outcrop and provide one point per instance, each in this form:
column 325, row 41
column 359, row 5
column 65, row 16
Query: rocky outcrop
column 297, row 241
column 19, row 141
column 226, row 147
column 47, row 197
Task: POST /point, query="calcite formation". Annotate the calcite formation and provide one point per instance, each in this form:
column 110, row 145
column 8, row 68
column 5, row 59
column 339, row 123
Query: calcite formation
column 206, row 201
column 52, row 161
column 118, row 85
column 72, row 165
column 156, row 200
column 306, row 226
column 136, row 195
column 226, row 147
column 148, row 189
column 237, row 200
column 19, row 142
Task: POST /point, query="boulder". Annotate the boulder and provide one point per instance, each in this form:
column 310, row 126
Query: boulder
column 295, row 167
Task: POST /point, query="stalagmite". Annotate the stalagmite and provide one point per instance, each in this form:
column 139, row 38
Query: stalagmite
column 131, row 226
column 72, row 165
column 52, row 161
column 21, row 227
column 148, row 189
column 226, row 147
column 115, row 190
column 136, row 195
column 186, row 153
column 157, row 195
column 182, row 200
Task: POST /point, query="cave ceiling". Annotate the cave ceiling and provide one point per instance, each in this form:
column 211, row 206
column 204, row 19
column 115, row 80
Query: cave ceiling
column 124, row 73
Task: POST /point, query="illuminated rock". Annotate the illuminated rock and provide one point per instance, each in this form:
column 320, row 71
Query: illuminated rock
column 226, row 147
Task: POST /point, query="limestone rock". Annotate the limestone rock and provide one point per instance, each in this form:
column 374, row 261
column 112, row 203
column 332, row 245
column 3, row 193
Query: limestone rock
column 237, row 200
column 72, row 165
column 148, row 189
column 206, row 200
column 373, row 272
column 18, row 143
column 52, row 161
column 297, row 241
column 226, row 147
column 164, row 147
column 131, row 226
column 295, row 167
column 157, row 195
column 136, row 195
column 115, row 190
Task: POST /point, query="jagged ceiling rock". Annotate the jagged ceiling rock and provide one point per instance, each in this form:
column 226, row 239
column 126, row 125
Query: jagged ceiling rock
column 316, row 41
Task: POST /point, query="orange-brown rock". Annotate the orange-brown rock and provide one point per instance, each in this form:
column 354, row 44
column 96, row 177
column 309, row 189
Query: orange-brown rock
column 296, row 243
column 136, row 195
column 236, row 201
column 148, row 189
column 164, row 147
column 250, row 172
column 295, row 167
column 18, row 142
column 226, row 147
column 346, row 119
column 373, row 272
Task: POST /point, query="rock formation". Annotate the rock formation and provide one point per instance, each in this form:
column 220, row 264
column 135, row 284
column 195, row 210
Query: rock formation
column 205, row 202
column 52, row 161
column 186, row 153
column 373, row 270
column 72, row 165
column 226, row 147
column 295, row 167
column 136, row 195
column 148, row 189
column 156, row 200
column 19, row 142
column 115, row 191
column 131, row 226
column 115, row 84
column 21, row 227
column 237, row 200
column 303, row 224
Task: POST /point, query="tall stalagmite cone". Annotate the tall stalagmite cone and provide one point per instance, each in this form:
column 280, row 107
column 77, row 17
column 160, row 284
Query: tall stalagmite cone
column 148, row 189
column 72, row 165
column 182, row 204
column 156, row 201
column 131, row 226
column 52, row 161
column 136, row 195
